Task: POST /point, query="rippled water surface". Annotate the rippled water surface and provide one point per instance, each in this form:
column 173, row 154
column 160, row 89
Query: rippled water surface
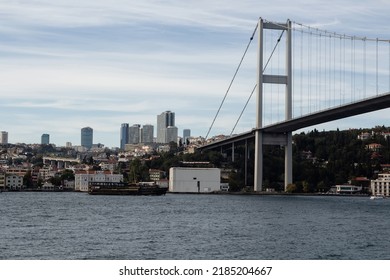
column 81, row 226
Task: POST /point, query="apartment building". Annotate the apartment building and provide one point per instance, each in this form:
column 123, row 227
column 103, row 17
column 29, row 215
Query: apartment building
column 381, row 186
column 83, row 178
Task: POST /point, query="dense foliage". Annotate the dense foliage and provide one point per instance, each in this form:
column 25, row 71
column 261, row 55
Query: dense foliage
column 320, row 160
column 323, row 159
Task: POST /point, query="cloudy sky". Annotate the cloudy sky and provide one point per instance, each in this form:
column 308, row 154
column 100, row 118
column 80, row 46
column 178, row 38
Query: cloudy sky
column 67, row 64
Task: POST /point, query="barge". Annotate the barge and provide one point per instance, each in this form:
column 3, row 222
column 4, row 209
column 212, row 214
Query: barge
column 121, row 188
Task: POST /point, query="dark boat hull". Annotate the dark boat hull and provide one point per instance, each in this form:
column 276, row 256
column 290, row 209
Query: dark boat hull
column 98, row 188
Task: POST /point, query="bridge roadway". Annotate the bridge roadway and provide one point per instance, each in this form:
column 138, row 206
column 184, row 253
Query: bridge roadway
column 273, row 134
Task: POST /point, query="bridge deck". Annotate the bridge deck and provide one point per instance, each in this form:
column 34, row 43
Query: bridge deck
column 353, row 109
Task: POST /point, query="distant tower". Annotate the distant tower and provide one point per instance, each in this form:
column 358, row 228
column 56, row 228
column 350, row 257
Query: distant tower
column 165, row 120
column 87, row 137
column 171, row 134
column 45, row 139
column 186, row 135
column 147, row 133
column 4, row 138
column 124, row 135
column 134, row 134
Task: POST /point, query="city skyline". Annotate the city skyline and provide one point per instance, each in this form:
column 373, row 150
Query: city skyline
column 70, row 65
column 133, row 134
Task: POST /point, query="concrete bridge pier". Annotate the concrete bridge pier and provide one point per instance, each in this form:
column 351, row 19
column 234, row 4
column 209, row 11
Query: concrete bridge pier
column 261, row 137
column 258, row 174
column 288, row 159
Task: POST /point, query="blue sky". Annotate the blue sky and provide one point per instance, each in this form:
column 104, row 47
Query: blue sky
column 68, row 64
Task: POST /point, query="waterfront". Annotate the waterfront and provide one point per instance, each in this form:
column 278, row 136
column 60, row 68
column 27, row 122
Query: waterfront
column 80, row 226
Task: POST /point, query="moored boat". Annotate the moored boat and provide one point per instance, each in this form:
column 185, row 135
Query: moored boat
column 378, row 196
column 121, row 188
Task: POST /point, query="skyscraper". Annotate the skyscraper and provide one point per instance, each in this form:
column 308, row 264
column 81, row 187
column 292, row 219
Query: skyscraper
column 134, row 134
column 124, row 135
column 171, row 134
column 165, row 120
column 87, row 137
column 147, row 133
column 186, row 135
column 45, row 139
column 4, row 137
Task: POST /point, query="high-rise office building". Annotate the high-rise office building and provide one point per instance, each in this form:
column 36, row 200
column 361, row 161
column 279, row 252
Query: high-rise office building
column 147, row 134
column 186, row 135
column 171, row 134
column 4, row 138
column 165, row 120
column 45, row 139
column 124, row 135
column 134, row 134
column 87, row 137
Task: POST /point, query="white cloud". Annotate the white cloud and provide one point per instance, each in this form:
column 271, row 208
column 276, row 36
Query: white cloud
column 99, row 63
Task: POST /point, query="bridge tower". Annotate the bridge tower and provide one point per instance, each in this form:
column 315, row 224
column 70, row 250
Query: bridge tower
column 261, row 138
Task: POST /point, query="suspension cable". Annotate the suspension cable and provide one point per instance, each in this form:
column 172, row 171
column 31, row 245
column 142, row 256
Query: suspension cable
column 231, row 82
column 265, row 67
column 246, row 104
column 277, row 43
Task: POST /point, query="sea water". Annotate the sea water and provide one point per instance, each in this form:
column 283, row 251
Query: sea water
column 78, row 226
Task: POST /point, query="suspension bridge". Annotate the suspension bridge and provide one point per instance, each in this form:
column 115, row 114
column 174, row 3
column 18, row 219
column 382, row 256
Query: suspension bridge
column 324, row 76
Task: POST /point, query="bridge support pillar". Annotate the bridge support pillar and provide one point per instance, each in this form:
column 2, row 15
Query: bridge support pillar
column 233, row 152
column 288, row 159
column 258, row 178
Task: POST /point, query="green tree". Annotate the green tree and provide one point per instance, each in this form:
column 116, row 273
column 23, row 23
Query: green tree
column 234, row 182
column 68, row 175
column 291, row 188
column 27, row 179
column 306, row 187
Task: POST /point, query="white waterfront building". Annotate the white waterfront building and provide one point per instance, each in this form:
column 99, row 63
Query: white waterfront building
column 82, row 179
column 348, row 189
column 381, row 186
column 194, row 180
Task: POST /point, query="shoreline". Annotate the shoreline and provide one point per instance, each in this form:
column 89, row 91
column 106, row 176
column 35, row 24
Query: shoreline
column 271, row 193
column 210, row 193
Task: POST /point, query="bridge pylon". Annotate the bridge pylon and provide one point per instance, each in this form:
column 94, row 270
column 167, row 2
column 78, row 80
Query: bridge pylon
column 273, row 79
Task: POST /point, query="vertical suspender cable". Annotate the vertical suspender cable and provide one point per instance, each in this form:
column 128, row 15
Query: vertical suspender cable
column 301, row 97
column 351, row 70
column 354, row 69
column 319, row 75
column 317, row 71
column 334, row 69
column 331, row 54
column 309, row 72
column 344, row 69
column 377, row 65
column 340, row 67
column 277, row 86
column 325, row 67
column 364, row 68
